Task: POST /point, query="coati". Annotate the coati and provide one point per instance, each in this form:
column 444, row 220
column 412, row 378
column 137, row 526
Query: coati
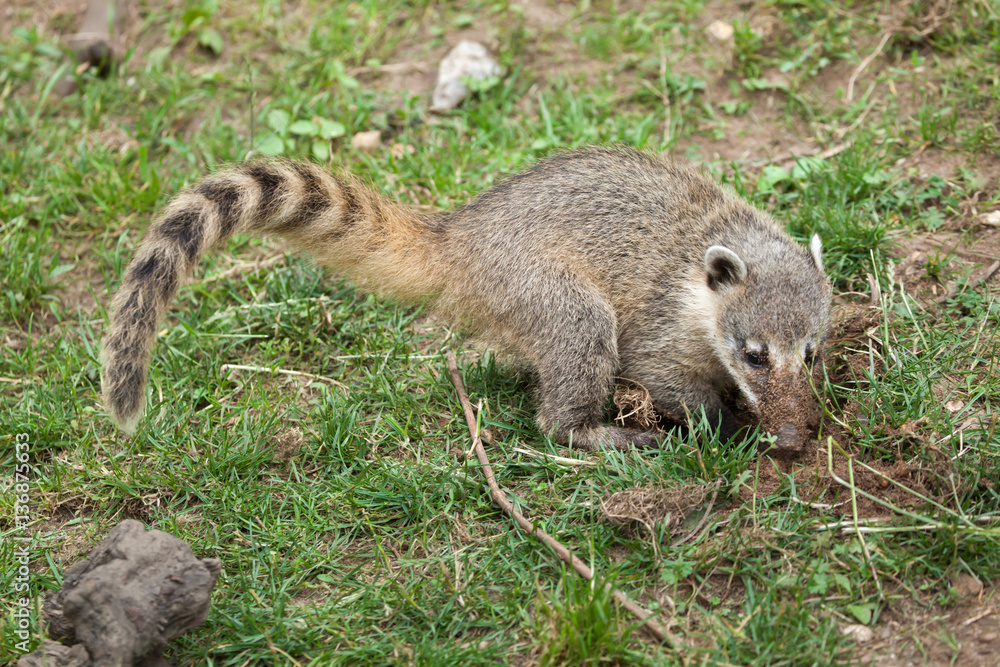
column 592, row 264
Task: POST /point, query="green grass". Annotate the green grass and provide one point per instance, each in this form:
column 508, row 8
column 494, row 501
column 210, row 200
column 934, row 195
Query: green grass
column 349, row 529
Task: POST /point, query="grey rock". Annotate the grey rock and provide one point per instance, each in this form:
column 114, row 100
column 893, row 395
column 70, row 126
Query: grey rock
column 134, row 593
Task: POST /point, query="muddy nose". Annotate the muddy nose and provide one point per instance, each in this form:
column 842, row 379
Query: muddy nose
column 788, row 437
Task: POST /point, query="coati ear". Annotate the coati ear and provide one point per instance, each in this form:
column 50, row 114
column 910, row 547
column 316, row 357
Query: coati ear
column 816, row 248
column 724, row 267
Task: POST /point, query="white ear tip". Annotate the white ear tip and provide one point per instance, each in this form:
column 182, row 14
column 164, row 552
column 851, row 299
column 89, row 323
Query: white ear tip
column 816, row 248
column 720, row 252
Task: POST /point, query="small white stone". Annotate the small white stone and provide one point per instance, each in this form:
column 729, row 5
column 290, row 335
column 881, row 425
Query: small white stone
column 468, row 60
column 720, row 31
column 992, row 218
column 366, row 142
column 859, row 633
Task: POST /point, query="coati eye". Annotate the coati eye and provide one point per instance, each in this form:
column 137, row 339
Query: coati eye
column 754, row 358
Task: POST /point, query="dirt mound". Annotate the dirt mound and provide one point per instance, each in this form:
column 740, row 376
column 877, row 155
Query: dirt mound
column 874, row 487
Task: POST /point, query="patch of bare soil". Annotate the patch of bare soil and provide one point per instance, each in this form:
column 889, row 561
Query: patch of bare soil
column 933, row 261
column 414, row 65
column 65, row 18
column 288, row 443
column 964, row 630
column 752, row 137
column 70, row 542
column 56, row 16
column 82, row 287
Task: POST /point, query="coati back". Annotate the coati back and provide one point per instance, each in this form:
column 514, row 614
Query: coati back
column 593, row 264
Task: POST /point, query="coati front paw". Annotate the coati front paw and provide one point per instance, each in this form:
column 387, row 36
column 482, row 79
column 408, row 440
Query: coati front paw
column 613, row 437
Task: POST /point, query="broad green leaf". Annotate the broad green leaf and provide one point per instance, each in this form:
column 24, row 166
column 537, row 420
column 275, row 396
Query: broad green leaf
column 272, row 144
column 321, row 150
column 303, row 128
column 61, row 269
column 862, row 612
column 278, row 120
column 211, row 40
column 770, row 176
column 330, row 129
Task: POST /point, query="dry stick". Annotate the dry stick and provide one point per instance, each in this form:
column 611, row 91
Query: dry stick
column 500, row 498
column 864, row 63
column 393, row 68
column 809, row 152
column 978, row 617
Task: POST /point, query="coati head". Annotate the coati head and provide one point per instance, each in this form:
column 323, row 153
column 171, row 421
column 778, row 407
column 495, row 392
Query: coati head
column 772, row 305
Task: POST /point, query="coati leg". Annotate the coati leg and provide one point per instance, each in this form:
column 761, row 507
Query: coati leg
column 573, row 342
column 678, row 406
column 681, row 386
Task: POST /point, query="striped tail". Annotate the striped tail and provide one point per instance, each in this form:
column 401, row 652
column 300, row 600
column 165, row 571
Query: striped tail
column 338, row 221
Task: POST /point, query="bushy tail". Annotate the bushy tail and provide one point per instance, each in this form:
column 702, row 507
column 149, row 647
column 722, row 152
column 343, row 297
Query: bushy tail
column 334, row 218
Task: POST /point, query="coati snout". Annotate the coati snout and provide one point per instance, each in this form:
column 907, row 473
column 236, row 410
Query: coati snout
column 768, row 344
column 592, row 264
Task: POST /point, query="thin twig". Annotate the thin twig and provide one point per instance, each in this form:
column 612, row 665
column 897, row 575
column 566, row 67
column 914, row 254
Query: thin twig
column 865, row 63
column 392, row 68
column 789, row 156
column 978, row 617
column 500, row 498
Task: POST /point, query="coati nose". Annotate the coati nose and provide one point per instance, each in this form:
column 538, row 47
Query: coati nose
column 788, row 437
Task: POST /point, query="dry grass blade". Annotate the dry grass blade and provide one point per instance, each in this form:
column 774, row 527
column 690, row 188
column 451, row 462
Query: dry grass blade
column 865, row 63
column 635, row 403
column 245, row 267
column 871, row 525
column 281, row 371
column 561, row 460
